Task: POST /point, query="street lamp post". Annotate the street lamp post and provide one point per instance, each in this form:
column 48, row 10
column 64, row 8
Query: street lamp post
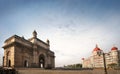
column 104, row 61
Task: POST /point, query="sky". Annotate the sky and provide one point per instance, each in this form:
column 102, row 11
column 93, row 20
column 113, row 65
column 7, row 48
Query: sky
column 74, row 27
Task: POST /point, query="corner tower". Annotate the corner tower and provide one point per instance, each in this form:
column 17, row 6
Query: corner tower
column 115, row 55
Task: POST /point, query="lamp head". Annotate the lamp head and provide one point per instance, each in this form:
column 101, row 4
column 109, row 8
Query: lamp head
column 99, row 53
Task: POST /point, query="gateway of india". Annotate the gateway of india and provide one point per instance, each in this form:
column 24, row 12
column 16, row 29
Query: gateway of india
column 32, row 53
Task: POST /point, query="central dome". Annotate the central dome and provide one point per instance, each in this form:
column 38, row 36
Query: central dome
column 96, row 48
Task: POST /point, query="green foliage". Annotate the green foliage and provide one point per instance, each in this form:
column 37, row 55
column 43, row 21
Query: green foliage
column 73, row 66
column 112, row 65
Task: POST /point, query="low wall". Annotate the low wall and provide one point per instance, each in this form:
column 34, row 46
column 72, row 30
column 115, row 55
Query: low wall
column 7, row 71
column 40, row 71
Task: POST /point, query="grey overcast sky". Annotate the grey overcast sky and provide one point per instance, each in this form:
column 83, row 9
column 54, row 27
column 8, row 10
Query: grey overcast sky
column 73, row 27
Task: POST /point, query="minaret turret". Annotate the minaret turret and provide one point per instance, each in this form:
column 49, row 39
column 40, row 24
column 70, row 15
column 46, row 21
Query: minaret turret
column 34, row 34
column 48, row 42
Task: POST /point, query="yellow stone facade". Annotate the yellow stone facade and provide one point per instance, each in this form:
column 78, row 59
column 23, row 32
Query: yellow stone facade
column 33, row 53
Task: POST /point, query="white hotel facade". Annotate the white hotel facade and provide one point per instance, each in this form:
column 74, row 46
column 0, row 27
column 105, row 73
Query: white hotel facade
column 96, row 60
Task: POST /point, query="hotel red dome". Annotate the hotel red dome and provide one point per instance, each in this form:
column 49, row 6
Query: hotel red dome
column 114, row 48
column 96, row 48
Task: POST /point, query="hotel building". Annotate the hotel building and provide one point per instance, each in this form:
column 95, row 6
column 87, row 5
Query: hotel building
column 96, row 60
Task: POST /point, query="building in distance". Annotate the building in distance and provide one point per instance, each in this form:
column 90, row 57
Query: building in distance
column 96, row 60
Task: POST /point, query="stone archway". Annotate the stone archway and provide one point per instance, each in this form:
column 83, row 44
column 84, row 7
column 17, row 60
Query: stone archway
column 25, row 63
column 42, row 61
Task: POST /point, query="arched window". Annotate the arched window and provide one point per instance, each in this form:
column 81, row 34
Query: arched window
column 9, row 63
column 8, row 53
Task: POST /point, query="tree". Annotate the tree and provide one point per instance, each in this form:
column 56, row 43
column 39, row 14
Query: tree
column 78, row 65
column 73, row 66
column 112, row 65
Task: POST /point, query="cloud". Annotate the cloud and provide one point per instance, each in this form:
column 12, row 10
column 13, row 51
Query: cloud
column 68, row 45
column 73, row 28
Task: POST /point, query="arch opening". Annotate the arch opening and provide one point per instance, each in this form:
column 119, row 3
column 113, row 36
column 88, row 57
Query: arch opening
column 42, row 61
column 9, row 63
column 25, row 63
